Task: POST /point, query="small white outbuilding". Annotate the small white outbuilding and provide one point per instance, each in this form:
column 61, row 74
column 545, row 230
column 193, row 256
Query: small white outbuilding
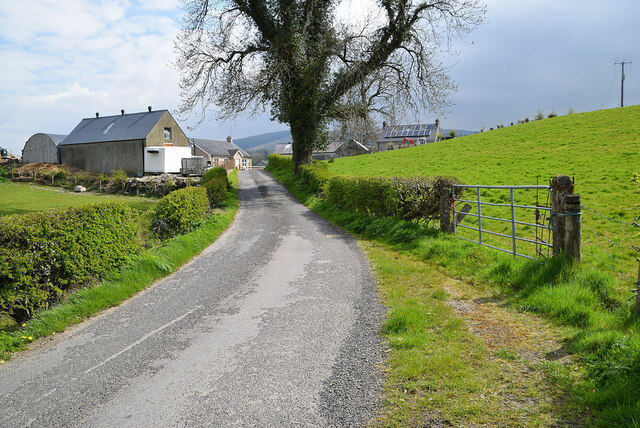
column 167, row 159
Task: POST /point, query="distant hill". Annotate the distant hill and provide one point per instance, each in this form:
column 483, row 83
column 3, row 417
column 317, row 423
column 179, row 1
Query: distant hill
column 263, row 142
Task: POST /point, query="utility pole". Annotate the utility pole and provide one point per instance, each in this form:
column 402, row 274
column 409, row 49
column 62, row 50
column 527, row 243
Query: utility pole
column 622, row 81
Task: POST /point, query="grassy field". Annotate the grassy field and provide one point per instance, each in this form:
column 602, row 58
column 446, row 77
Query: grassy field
column 600, row 149
column 17, row 198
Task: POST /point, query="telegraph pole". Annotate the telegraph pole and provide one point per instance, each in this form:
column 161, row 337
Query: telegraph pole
column 622, row 81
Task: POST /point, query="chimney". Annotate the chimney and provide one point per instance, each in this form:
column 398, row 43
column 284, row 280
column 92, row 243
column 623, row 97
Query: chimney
column 97, row 115
column 437, row 123
column 122, row 111
column 384, row 124
column 229, row 139
column 149, row 109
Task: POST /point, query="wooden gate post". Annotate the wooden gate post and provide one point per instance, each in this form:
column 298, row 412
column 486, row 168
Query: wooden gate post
column 565, row 217
column 446, row 195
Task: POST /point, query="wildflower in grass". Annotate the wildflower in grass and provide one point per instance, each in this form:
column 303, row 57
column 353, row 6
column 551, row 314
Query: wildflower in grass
column 30, row 338
column 24, row 324
column 24, row 337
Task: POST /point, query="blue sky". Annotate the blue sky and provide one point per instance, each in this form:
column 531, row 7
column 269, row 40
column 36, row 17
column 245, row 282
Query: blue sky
column 63, row 61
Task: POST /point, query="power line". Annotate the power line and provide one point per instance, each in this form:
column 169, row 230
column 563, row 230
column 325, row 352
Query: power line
column 622, row 63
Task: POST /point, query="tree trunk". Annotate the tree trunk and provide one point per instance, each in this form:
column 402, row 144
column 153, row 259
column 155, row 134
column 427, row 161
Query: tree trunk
column 305, row 134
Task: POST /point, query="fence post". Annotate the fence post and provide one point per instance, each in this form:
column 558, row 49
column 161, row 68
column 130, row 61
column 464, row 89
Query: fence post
column 446, row 193
column 565, row 217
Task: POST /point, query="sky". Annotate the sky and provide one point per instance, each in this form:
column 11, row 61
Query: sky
column 63, row 61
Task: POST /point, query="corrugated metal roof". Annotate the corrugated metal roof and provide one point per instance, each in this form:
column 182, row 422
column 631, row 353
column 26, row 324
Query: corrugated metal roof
column 57, row 138
column 218, row 148
column 134, row 126
column 283, row 149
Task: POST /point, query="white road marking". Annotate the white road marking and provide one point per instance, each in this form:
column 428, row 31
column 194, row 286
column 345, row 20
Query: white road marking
column 145, row 337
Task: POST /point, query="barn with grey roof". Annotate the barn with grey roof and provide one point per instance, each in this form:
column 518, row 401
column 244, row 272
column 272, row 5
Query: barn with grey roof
column 105, row 144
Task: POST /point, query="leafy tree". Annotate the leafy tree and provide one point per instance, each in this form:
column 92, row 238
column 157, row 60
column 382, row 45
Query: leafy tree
column 299, row 59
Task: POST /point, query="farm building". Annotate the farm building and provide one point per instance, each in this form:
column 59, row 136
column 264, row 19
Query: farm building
column 221, row 153
column 285, row 149
column 340, row 149
column 126, row 141
column 42, row 147
column 394, row 137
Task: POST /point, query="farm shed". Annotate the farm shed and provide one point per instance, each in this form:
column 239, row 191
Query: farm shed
column 105, row 144
column 221, row 153
column 42, row 147
column 340, row 149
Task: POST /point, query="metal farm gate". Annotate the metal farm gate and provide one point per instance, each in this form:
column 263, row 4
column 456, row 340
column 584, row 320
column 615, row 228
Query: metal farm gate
column 515, row 228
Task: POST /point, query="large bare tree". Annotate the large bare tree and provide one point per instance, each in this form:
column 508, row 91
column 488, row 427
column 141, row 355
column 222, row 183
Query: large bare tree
column 301, row 60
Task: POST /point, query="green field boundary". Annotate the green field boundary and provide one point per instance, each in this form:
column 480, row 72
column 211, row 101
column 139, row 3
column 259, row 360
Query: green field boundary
column 146, row 270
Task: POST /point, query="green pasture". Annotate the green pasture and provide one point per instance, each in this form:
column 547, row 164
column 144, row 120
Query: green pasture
column 601, row 149
column 17, row 198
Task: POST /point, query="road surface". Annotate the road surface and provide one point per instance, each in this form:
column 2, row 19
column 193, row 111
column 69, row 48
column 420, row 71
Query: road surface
column 275, row 324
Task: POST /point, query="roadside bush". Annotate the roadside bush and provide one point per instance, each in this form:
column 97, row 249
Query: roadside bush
column 217, row 172
column 118, row 180
column 179, row 211
column 44, row 254
column 216, row 190
column 314, row 177
column 414, row 198
column 4, row 175
column 280, row 162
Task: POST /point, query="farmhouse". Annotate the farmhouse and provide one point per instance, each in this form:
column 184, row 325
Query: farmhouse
column 393, row 137
column 127, row 141
column 221, row 153
column 42, row 147
column 340, row 149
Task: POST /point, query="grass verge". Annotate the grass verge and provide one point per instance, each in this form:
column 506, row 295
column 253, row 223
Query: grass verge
column 603, row 333
column 119, row 286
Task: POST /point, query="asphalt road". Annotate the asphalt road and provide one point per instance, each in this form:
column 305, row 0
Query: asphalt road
column 275, row 324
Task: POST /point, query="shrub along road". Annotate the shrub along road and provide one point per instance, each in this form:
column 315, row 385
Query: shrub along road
column 275, row 324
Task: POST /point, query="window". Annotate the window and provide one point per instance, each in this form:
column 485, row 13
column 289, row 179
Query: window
column 167, row 133
column 244, row 162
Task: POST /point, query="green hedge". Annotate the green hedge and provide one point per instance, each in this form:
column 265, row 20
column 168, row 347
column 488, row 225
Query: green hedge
column 216, row 190
column 44, row 254
column 179, row 211
column 280, row 162
column 407, row 198
column 314, row 176
column 217, row 172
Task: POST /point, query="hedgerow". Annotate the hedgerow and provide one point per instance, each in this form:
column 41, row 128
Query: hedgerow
column 44, row 254
column 217, row 172
column 216, row 190
column 406, row 198
column 179, row 211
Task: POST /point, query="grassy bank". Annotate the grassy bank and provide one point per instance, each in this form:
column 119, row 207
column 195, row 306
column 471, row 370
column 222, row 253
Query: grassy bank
column 119, row 286
column 18, row 198
column 598, row 328
column 600, row 149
